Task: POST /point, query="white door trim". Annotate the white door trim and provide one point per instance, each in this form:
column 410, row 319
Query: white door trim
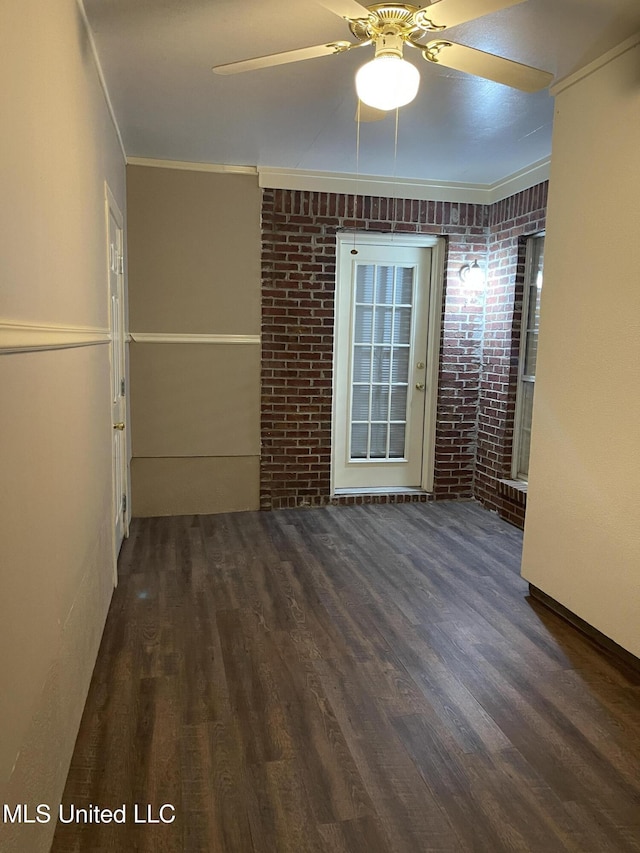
column 437, row 246
column 433, row 362
column 112, row 209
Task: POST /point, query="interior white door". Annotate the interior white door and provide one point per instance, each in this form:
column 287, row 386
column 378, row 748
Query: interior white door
column 118, row 381
column 380, row 383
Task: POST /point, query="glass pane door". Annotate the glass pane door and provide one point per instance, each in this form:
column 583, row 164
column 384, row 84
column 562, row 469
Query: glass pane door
column 381, row 343
column 385, row 378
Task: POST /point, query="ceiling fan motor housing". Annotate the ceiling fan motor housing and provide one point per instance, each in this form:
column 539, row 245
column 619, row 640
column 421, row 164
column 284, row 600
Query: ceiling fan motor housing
column 390, row 19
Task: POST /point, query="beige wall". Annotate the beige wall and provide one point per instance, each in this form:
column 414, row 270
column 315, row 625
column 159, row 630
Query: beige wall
column 194, row 269
column 57, row 147
column 582, row 536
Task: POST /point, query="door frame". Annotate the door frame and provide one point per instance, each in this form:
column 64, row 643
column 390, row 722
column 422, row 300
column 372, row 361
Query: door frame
column 112, row 209
column 434, row 330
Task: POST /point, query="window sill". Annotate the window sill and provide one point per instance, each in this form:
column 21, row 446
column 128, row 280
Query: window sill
column 516, row 490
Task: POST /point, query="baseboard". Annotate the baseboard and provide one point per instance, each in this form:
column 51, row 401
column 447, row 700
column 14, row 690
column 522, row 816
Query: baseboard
column 592, row 633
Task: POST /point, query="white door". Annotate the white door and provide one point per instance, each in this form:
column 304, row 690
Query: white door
column 118, row 382
column 385, row 376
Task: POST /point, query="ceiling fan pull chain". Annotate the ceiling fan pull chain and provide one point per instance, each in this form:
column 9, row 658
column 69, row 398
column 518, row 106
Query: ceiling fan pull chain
column 395, row 170
column 354, row 251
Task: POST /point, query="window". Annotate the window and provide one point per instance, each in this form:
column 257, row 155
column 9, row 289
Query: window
column 528, row 356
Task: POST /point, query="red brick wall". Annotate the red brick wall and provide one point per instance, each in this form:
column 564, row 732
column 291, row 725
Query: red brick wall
column 298, row 282
column 479, row 347
column 510, row 222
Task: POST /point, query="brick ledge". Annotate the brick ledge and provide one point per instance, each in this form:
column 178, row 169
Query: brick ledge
column 516, row 490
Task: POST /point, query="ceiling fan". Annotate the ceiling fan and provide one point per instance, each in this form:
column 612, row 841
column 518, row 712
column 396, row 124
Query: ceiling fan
column 388, row 81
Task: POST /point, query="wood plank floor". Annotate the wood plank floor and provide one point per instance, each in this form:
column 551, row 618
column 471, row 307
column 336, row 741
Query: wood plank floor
column 368, row 679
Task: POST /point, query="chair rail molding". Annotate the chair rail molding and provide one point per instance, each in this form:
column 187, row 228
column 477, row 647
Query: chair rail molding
column 32, row 337
column 177, row 338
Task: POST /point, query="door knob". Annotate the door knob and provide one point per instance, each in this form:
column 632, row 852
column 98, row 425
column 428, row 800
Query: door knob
column 420, row 386
column 119, row 426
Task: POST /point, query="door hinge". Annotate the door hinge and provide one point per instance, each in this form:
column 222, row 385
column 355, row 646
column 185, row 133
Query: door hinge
column 124, row 504
column 122, row 388
column 120, row 264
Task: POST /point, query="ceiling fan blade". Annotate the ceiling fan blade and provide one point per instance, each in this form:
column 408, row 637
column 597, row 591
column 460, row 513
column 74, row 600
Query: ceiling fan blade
column 283, row 58
column 365, row 113
column 486, row 65
column 344, row 8
column 449, row 13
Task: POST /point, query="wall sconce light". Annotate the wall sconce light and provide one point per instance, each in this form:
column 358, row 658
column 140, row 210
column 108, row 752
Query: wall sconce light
column 472, row 277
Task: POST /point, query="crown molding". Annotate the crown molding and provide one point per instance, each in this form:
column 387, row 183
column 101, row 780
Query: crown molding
column 351, row 184
column 605, row 59
column 101, row 77
column 27, row 337
column 526, row 178
column 187, row 166
column 171, row 338
column 374, row 185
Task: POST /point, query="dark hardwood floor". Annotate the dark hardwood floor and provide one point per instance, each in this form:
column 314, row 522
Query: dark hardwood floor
column 369, row 679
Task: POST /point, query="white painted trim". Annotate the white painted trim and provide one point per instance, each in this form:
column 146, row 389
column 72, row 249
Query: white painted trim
column 519, row 412
column 112, row 205
column 168, row 338
column 185, row 166
column 101, row 77
column 382, row 491
column 377, row 185
column 589, row 69
column 534, row 174
column 374, row 185
column 390, row 238
column 434, row 330
column 112, row 209
column 434, row 333
column 27, row 337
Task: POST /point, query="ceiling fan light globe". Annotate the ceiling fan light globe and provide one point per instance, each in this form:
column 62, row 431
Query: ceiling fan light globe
column 387, row 82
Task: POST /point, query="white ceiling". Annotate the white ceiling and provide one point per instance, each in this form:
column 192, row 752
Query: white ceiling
column 157, row 56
